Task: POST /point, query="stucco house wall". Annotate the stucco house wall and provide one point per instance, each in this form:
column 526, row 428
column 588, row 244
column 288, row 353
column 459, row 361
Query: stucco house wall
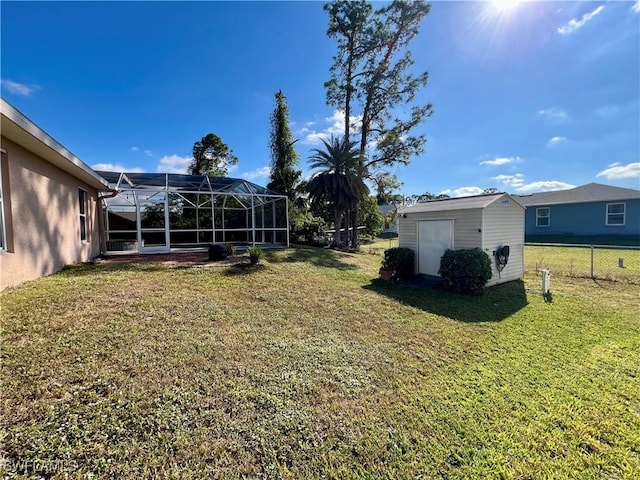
column 43, row 218
column 41, row 183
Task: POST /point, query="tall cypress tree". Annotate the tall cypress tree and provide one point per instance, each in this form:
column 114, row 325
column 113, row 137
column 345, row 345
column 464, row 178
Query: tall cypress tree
column 284, row 177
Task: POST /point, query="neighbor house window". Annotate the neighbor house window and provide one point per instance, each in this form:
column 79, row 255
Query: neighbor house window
column 615, row 213
column 82, row 198
column 543, row 217
column 3, row 230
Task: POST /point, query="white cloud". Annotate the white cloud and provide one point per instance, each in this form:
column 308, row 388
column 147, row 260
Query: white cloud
column 173, row 164
column 134, row 149
column 544, row 186
column 262, row 172
column 467, row 191
column 574, row 24
column 335, row 127
column 116, row 167
column 148, row 153
column 554, row 114
column 555, row 141
column 500, row 161
column 516, row 183
column 617, row 171
column 19, row 88
column 636, row 6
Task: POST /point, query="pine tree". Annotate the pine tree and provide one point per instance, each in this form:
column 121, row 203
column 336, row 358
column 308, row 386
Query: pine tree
column 211, row 156
column 370, row 80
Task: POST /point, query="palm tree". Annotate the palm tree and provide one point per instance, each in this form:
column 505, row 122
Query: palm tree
column 338, row 183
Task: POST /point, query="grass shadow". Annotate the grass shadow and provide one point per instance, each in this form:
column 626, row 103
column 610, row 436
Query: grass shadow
column 320, row 257
column 498, row 302
column 91, row 268
column 244, row 268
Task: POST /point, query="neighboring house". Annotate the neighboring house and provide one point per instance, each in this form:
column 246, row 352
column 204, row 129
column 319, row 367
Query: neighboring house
column 590, row 211
column 390, row 222
column 488, row 222
column 49, row 208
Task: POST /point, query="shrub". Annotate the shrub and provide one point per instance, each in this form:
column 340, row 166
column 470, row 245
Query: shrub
column 304, row 227
column 465, row 271
column 399, row 260
column 255, row 254
column 370, row 217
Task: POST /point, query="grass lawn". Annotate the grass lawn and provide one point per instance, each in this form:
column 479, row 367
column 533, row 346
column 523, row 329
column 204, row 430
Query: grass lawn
column 307, row 366
column 576, row 262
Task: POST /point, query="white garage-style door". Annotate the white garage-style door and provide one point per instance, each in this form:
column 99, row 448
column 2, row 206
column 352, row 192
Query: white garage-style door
column 434, row 238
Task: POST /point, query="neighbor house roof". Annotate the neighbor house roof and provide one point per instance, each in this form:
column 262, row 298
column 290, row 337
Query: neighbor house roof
column 460, row 203
column 591, row 192
column 22, row 131
column 387, row 209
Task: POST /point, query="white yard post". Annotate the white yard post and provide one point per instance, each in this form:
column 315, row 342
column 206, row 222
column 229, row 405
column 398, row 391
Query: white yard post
column 546, row 281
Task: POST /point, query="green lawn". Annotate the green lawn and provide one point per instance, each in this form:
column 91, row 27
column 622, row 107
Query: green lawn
column 576, row 262
column 307, row 366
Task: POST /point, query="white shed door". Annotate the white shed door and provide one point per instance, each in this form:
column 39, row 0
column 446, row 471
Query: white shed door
column 434, row 238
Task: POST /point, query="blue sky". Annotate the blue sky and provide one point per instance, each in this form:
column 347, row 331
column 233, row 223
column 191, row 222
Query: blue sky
column 528, row 96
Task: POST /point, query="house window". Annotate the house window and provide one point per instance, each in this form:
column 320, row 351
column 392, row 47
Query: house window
column 3, row 229
column 615, row 214
column 543, row 215
column 82, row 198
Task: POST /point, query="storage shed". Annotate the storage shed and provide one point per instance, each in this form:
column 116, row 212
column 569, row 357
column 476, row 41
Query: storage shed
column 489, row 222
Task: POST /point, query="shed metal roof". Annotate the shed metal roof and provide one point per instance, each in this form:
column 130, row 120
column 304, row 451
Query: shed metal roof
column 591, row 192
column 460, row 203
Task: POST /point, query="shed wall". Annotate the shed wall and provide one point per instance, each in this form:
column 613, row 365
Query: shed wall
column 43, row 218
column 466, row 226
column 504, row 225
column 500, row 223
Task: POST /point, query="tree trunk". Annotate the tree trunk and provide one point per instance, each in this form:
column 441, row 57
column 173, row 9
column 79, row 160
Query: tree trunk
column 337, row 236
column 347, row 225
column 355, row 236
column 347, row 100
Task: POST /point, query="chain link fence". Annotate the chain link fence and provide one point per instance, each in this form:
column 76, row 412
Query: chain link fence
column 586, row 261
